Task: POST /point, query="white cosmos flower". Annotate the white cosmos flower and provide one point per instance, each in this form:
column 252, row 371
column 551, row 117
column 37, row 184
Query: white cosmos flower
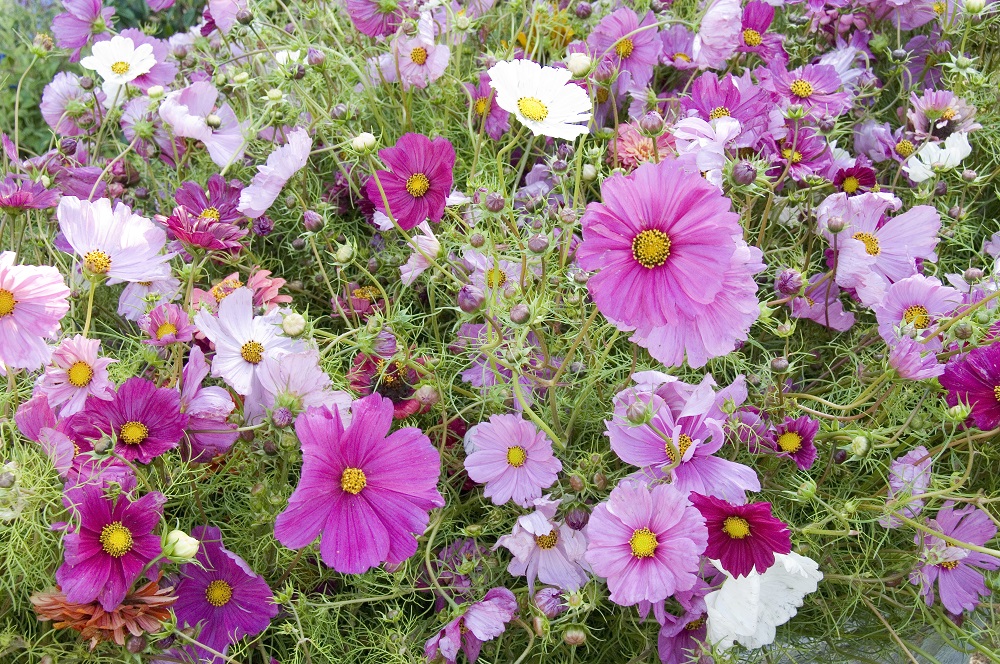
column 747, row 609
column 933, row 157
column 542, row 98
column 119, row 61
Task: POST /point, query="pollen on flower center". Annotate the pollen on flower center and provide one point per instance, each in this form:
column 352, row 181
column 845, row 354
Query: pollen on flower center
column 872, row 247
column 516, row 456
column 7, row 302
column 121, row 67
column 948, row 114
column 696, row 623
column 939, row 7
column 218, row 593
column 683, row 443
column 210, row 213
column 97, row 261
column 116, row 539
column 905, row 148
column 643, row 543
column 602, row 94
column 353, row 480
column 417, row 185
column 252, row 352
column 790, row 442
column 684, row 57
column 133, row 433
column 736, row 527
column 801, row 88
column 546, row 542
column 651, row 248
column 949, row 564
column 532, row 108
column 164, row 329
column 996, row 392
column 418, row 55
column 850, row 185
column 365, row 293
column 718, row 112
column 495, row 277
column 222, row 289
column 752, row 38
column 791, row 156
column 624, row 47
column 918, row 316
column 80, row 374
column 481, row 105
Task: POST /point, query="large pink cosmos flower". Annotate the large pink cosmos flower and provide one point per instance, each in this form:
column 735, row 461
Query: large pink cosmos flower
column 671, row 263
column 917, row 302
column 418, row 182
column 33, row 299
column 367, row 491
column 188, row 112
column 646, row 542
column 513, row 458
column 76, row 373
column 628, row 43
column 281, row 165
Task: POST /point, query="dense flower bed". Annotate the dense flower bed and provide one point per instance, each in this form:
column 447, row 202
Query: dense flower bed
column 369, row 330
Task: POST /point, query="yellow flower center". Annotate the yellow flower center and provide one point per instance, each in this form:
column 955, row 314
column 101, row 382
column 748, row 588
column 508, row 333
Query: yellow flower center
column 418, row 55
column 801, row 88
column 221, row 290
column 791, row 156
column 624, row 47
column 736, row 527
column 495, row 277
column 252, row 352
column 790, row 442
column 996, row 392
column 417, row 185
column 97, row 261
column 80, row 374
column 218, row 593
column 651, row 248
column 121, row 67
column 546, row 542
column 369, row 293
column 905, row 148
column 949, row 114
column 516, row 456
column 939, row 8
column 164, row 329
column 683, row 443
column 532, row 108
column 850, row 185
column 116, row 539
column 133, row 433
column 482, row 105
column 918, row 315
column 353, row 481
column 210, row 213
column 602, row 94
column 7, row 302
column 696, row 624
column 718, row 112
column 682, row 56
column 872, row 247
column 949, row 564
column 752, row 38
column 643, row 543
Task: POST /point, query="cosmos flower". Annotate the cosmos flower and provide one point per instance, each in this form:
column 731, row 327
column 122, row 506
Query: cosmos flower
column 482, row 621
column 743, row 538
column 427, row 247
column 647, row 543
column 713, row 98
column 107, row 551
column 393, row 379
column 821, row 303
column 632, row 148
column 794, row 438
column 221, row 14
column 207, row 408
column 271, row 177
column 193, row 113
column 513, row 458
column 934, row 158
column 909, row 475
column 116, row 244
column 913, row 360
column 20, row 193
column 630, row 44
column 33, row 299
column 67, row 108
column 75, row 374
column 387, row 485
column 937, row 114
column 419, row 60
column 544, row 549
column 974, row 379
column 297, row 382
column 491, row 273
column 167, row 324
column 418, row 182
column 163, row 71
column 813, row 87
column 377, row 19
column 138, row 296
column 203, row 232
column 486, row 108
column 542, row 98
column 718, row 34
column 218, row 201
column 219, row 593
column 80, row 23
column 916, row 303
column 143, row 128
column 755, row 38
column 678, row 47
column 119, row 61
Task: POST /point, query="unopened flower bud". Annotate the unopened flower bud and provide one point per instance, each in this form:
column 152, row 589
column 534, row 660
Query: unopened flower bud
column 651, row 123
column 156, row 92
column 345, row 253
column 470, row 298
column 574, row 637
column 789, row 282
column 462, row 22
column 244, row 16
column 67, row 145
column 836, row 225
column 577, row 483
column 941, row 188
column 363, row 142
column 744, row 173
column 859, row 446
column 520, row 313
column 899, row 54
column 315, row 57
column 262, row 226
column 969, row 175
column 538, row 244
column 7, row 480
column 282, row 417
column 779, row 365
column 589, row 173
column 241, row 78
column 807, row 490
column 577, row 518
column 427, row 395
column 298, row 244
column 179, row 546
column 579, row 64
column 840, row 456
column 293, row 324
column 495, row 202
column 274, row 94
column 136, row 644
column 298, row 72
column 549, row 602
column 974, row 7
column 338, row 111
column 972, row 275
column 87, row 83
column 213, row 121
column 637, row 412
column 959, row 412
column 583, row 10
column 600, row 481
column 312, row 221
column 963, row 330
column 538, row 625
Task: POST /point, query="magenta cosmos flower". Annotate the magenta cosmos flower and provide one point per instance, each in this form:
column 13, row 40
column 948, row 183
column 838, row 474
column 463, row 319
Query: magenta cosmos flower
column 203, row 232
column 742, row 537
column 76, row 373
column 107, row 551
column 419, row 181
column 974, row 379
column 755, row 38
column 18, row 193
column 794, row 438
column 646, row 542
column 513, row 458
column 713, row 98
column 144, row 420
column 81, row 22
column 281, row 165
column 219, row 592
column 33, row 299
column 482, row 621
column 367, row 491
column 546, row 550
column 486, row 108
column 955, row 569
column 218, row 201
column 207, row 408
column 813, row 87
column 671, row 263
column 629, row 44
column 167, row 324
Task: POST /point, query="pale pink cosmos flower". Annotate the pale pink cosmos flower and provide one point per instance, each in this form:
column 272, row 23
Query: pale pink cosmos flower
column 427, row 246
column 33, row 299
column 281, row 165
column 138, row 296
column 224, row 13
column 719, row 34
column 296, row 381
column 188, row 112
column 701, row 146
column 512, row 457
column 75, row 374
column 418, row 59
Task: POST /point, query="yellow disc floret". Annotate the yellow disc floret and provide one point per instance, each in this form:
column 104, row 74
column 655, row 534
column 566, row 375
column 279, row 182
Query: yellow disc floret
column 353, row 480
column 650, row 248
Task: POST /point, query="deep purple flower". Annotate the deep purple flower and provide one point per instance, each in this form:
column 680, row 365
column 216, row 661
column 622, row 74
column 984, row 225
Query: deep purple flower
column 18, row 193
column 81, row 22
column 974, row 379
column 742, row 537
column 486, row 109
column 419, row 181
column 203, row 232
column 106, row 553
column 367, row 491
column 794, row 438
column 754, row 38
column 218, row 201
column 628, row 43
column 145, row 421
column 462, row 554
column 482, row 621
column 855, row 180
column 956, row 569
column 219, row 592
